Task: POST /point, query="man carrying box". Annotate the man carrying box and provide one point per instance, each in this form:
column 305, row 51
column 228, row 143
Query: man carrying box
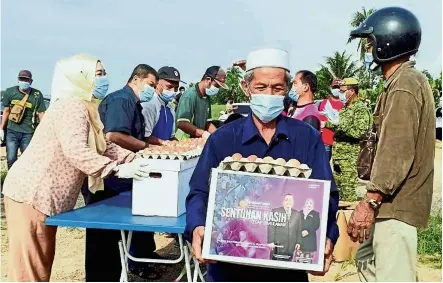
column 265, row 133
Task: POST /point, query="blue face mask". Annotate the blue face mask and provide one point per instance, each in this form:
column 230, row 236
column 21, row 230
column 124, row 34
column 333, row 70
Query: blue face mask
column 266, row 107
column 368, row 60
column 342, row 97
column 101, row 85
column 167, row 95
column 293, row 95
column 212, row 91
column 335, row 92
column 147, row 93
column 24, row 85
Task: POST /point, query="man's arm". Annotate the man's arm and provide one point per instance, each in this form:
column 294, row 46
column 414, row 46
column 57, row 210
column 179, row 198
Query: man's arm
column 126, row 141
column 5, row 117
column 154, row 140
column 319, row 163
column 313, row 121
column 41, row 107
column 40, row 115
column 190, row 129
column 396, row 146
column 117, row 123
column 197, row 200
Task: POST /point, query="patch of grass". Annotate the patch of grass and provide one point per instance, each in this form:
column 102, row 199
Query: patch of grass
column 215, row 110
column 429, row 241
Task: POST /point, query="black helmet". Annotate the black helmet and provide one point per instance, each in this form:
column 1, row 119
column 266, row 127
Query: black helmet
column 395, row 33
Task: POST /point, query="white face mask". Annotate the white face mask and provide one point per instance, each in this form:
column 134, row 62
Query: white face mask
column 212, row 90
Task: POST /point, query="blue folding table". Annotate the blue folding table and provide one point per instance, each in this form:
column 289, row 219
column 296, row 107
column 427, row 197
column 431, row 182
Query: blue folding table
column 116, row 214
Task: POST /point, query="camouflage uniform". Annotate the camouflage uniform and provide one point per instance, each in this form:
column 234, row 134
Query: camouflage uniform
column 354, row 120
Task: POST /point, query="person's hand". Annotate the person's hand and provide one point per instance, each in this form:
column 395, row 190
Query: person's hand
column 241, row 64
column 2, row 135
column 271, row 246
column 206, row 135
column 322, row 124
column 304, row 233
column 329, row 248
column 197, row 242
column 134, row 170
column 359, row 227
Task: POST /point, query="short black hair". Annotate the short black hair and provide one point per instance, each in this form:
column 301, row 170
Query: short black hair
column 181, row 88
column 308, row 77
column 143, row 71
column 354, row 87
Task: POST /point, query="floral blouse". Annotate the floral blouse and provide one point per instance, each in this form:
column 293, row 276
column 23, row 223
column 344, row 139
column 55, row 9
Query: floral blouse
column 49, row 174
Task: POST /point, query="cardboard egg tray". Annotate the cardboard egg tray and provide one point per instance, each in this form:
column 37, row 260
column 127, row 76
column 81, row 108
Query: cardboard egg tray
column 166, row 155
column 266, row 165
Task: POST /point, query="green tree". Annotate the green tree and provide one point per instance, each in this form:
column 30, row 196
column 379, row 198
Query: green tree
column 435, row 85
column 340, row 65
column 234, row 91
column 357, row 19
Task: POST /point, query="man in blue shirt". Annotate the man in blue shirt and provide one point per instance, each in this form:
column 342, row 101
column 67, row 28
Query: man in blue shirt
column 264, row 133
column 121, row 114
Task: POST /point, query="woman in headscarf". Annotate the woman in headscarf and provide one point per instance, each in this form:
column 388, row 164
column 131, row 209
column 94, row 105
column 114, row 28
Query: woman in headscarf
column 67, row 146
column 309, row 226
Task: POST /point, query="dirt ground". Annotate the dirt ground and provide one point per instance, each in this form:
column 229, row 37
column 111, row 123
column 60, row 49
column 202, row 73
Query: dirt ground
column 69, row 259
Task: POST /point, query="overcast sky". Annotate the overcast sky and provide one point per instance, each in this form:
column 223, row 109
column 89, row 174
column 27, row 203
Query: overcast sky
column 189, row 35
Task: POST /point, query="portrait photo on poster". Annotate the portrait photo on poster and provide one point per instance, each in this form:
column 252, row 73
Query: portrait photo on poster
column 263, row 220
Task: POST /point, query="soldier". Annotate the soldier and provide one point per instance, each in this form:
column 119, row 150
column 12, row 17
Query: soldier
column 353, row 120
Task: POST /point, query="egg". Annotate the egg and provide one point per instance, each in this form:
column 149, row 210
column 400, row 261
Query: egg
column 268, row 159
column 279, row 161
column 228, row 159
column 252, row 158
column 237, row 157
column 293, row 163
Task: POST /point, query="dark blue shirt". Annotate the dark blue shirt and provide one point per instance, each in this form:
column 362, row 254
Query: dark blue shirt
column 120, row 111
column 292, row 139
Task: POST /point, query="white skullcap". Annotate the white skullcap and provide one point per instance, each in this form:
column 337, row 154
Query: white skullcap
column 268, row 57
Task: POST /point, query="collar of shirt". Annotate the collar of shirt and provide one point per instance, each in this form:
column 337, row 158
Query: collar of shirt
column 197, row 90
column 405, row 65
column 130, row 91
column 250, row 130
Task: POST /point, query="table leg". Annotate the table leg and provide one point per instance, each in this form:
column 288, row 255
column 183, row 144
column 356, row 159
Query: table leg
column 196, row 269
column 124, row 274
column 187, row 263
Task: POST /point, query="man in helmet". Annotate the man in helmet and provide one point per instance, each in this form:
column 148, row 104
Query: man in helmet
column 399, row 192
column 349, row 125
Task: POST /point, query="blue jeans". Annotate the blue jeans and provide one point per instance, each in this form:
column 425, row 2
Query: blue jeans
column 14, row 142
column 328, row 149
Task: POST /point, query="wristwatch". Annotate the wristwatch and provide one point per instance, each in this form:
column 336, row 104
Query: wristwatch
column 374, row 204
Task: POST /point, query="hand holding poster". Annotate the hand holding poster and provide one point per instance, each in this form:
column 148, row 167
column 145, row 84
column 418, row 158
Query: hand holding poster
column 265, row 220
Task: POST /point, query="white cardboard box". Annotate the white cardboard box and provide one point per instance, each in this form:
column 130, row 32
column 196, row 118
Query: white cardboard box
column 165, row 191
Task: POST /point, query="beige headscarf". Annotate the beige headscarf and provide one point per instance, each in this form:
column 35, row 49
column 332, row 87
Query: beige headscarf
column 74, row 79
